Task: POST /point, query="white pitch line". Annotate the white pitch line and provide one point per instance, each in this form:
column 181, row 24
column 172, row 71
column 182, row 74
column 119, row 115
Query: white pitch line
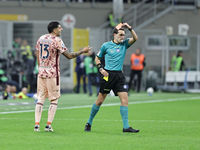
column 111, row 104
column 11, row 104
column 25, row 103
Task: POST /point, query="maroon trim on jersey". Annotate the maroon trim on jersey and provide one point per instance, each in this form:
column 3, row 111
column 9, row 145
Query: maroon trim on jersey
column 57, row 77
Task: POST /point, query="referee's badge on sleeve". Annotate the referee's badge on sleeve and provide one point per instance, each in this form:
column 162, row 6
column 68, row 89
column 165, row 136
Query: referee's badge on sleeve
column 125, row 86
column 98, row 53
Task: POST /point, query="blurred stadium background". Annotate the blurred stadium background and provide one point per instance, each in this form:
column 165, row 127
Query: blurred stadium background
column 158, row 23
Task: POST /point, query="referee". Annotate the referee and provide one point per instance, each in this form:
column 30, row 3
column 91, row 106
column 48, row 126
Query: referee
column 112, row 77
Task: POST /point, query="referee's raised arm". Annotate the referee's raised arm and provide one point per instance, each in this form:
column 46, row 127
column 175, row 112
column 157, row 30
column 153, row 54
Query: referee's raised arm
column 134, row 35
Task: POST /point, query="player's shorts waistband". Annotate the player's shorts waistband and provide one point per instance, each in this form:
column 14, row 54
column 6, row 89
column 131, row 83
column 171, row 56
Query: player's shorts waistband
column 113, row 71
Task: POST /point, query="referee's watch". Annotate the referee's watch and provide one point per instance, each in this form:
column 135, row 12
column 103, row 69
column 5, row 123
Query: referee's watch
column 100, row 69
column 130, row 29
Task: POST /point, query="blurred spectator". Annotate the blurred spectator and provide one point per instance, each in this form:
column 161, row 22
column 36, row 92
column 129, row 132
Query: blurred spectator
column 6, row 93
column 179, row 64
column 23, row 93
column 137, row 65
column 16, row 44
column 35, row 73
column 173, row 61
column 29, row 62
column 91, row 71
column 4, row 80
column 114, row 21
column 80, row 72
column 13, row 91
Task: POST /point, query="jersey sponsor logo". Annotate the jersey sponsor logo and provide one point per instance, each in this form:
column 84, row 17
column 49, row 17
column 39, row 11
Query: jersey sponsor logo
column 45, row 67
column 118, row 50
column 45, row 41
column 118, row 47
column 63, row 45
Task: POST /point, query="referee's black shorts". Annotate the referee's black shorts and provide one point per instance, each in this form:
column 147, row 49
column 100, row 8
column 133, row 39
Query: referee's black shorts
column 115, row 81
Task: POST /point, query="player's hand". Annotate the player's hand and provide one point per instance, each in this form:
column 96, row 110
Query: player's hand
column 104, row 73
column 126, row 25
column 86, row 49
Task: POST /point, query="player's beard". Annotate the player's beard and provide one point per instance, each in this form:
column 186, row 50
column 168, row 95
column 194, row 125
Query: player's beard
column 59, row 34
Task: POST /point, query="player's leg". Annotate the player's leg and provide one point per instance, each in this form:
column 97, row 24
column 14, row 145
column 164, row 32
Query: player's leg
column 124, row 108
column 41, row 94
column 105, row 87
column 94, row 110
column 124, row 112
column 51, row 114
column 38, row 114
column 121, row 90
column 53, row 95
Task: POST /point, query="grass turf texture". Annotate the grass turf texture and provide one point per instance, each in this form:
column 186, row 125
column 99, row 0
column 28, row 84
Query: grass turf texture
column 166, row 121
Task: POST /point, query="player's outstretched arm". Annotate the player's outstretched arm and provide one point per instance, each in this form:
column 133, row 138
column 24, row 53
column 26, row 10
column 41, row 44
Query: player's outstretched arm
column 134, row 35
column 72, row 55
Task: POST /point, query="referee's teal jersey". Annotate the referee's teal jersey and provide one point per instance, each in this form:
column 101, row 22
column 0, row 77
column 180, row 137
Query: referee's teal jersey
column 114, row 54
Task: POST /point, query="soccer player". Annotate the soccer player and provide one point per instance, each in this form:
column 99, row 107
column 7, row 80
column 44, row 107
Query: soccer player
column 49, row 47
column 112, row 77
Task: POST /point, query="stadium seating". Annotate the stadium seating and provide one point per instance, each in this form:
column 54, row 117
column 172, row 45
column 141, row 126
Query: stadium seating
column 183, row 81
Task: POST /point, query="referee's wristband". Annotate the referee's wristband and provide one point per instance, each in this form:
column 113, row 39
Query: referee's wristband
column 100, row 69
column 99, row 66
column 130, row 29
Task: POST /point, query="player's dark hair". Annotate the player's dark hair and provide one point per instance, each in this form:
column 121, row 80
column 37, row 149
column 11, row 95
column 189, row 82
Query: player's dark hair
column 52, row 25
column 116, row 31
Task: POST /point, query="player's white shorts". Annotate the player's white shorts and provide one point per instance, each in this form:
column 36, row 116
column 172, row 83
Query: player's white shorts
column 47, row 87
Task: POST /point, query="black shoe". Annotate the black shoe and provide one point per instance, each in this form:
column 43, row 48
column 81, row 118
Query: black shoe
column 87, row 127
column 48, row 128
column 130, row 129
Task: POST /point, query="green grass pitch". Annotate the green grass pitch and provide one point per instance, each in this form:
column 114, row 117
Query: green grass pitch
column 169, row 121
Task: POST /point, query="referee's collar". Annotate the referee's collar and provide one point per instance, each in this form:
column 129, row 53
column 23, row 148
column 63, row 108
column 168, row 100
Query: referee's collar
column 114, row 42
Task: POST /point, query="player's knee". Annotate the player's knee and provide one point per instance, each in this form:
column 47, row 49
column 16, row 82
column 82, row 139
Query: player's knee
column 100, row 103
column 40, row 101
column 124, row 102
column 54, row 101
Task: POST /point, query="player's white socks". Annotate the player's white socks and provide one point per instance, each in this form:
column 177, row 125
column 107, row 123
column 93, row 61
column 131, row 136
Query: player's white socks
column 52, row 112
column 38, row 112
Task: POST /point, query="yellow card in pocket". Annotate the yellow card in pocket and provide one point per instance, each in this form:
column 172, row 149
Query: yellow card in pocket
column 105, row 78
